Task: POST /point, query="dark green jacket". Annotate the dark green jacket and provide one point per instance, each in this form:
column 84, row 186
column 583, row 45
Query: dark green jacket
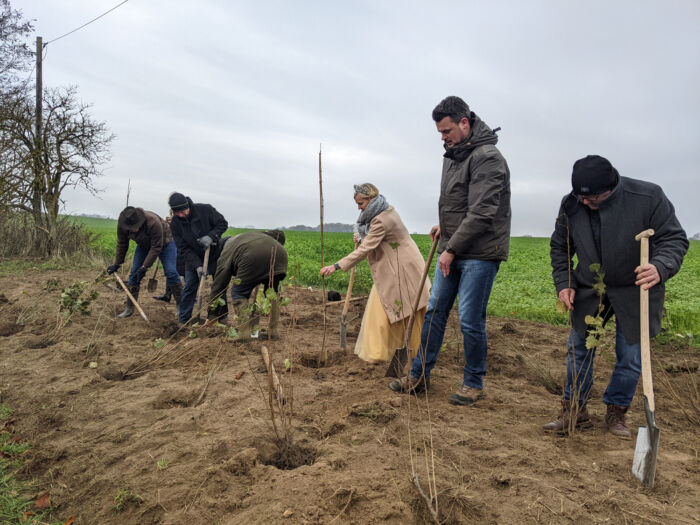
column 474, row 206
column 632, row 207
column 248, row 256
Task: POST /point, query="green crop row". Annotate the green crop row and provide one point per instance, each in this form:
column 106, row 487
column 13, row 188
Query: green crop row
column 523, row 288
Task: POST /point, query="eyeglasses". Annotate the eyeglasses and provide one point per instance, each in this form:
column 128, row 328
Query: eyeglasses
column 594, row 199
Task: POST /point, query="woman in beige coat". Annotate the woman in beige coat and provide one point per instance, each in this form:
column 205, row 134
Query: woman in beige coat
column 396, row 265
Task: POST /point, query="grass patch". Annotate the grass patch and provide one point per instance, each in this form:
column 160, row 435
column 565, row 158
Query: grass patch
column 16, row 504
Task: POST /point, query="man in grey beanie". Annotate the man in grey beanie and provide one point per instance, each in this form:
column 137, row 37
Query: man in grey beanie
column 598, row 222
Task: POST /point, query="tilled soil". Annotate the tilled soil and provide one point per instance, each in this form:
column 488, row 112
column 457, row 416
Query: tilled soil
column 138, row 423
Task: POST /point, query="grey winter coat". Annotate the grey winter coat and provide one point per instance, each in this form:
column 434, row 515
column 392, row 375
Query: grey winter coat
column 632, row 207
column 474, row 206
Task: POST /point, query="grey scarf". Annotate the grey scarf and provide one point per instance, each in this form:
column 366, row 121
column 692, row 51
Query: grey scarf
column 374, row 208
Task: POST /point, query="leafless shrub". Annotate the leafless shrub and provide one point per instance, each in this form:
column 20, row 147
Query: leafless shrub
column 22, row 237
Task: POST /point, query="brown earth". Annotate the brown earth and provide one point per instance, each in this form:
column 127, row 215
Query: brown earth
column 186, row 428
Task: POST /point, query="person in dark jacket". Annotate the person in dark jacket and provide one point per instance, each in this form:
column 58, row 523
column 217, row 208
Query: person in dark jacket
column 195, row 228
column 598, row 221
column 474, row 233
column 153, row 240
column 251, row 258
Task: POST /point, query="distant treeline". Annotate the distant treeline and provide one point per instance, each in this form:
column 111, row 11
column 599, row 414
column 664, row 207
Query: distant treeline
column 327, row 227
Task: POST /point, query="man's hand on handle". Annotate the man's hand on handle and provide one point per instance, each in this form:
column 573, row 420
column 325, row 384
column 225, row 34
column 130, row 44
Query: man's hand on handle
column 566, row 296
column 647, row 275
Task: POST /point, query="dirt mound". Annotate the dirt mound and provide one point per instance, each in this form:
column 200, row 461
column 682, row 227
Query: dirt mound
column 136, row 423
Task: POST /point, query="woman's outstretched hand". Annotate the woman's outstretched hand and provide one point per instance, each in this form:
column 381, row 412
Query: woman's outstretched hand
column 327, row 270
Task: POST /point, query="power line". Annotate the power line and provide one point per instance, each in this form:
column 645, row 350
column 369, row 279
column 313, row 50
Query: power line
column 87, row 23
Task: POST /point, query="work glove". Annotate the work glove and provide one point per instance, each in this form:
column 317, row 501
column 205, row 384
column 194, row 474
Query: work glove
column 205, row 241
column 200, row 272
column 140, row 274
column 112, row 268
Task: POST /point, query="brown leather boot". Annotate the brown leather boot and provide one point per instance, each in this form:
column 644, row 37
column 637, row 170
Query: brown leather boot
column 561, row 425
column 615, row 419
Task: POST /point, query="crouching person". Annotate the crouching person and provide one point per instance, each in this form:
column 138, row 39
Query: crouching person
column 251, row 259
column 153, row 240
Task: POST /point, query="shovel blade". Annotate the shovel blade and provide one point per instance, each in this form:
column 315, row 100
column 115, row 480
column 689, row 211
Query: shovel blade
column 646, row 449
column 152, row 285
column 645, row 452
column 398, row 363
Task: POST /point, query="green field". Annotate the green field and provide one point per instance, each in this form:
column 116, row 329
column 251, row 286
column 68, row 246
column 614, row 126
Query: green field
column 523, row 287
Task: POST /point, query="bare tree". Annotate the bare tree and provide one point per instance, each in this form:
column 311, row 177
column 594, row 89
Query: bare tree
column 70, row 153
column 15, row 54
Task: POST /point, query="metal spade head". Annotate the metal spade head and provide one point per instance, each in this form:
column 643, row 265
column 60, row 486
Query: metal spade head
column 343, row 333
column 646, row 449
column 398, row 363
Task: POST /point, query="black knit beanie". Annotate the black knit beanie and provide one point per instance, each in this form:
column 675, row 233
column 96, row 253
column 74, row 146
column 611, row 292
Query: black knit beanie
column 593, row 175
column 178, row 202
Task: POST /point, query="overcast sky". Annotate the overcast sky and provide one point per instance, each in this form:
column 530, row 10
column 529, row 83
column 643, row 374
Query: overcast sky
column 227, row 101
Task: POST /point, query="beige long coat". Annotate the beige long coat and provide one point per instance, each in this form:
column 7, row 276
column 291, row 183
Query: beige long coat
column 396, row 271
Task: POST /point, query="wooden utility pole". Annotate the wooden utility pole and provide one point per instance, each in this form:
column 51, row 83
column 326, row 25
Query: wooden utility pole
column 38, row 178
column 39, row 51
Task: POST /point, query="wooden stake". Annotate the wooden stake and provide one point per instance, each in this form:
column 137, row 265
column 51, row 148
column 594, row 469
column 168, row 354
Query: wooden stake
column 275, row 379
column 323, row 356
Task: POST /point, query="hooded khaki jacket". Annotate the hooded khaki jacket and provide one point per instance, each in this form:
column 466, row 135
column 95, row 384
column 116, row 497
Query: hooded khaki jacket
column 474, row 206
column 632, row 207
column 396, row 272
column 153, row 236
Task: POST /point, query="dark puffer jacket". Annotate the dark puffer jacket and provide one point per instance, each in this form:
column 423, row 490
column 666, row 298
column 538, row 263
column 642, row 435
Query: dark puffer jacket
column 632, row 207
column 474, row 206
column 202, row 220
column 153, row 235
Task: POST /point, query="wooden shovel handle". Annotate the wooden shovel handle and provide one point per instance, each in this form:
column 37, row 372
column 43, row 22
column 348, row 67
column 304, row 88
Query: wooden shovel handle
column 349, row 292
column 202, row 281
column 155, row 272
column 647, row 384
column 131, row 297
column 407, row 338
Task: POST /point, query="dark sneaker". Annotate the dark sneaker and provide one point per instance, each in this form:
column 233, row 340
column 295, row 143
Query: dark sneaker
column 466, row 395
column 615, row 420
column 408, row 383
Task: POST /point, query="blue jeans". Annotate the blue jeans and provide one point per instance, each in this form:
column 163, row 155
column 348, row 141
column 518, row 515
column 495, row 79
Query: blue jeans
column 168, row 256
column 625, row 376
column 471, row 280
column 189, row 296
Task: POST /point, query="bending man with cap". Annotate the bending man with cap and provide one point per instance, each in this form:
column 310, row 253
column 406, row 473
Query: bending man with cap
column 153, row 240
column 598, row 221
column 250, row 258
column 195, row 228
